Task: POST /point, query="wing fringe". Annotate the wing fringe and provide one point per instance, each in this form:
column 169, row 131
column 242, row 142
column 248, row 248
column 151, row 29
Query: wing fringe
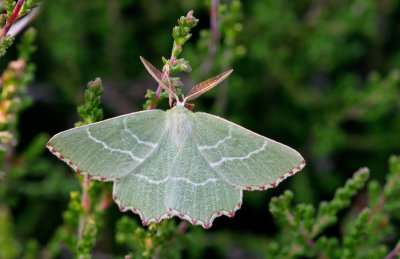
column 173, row 212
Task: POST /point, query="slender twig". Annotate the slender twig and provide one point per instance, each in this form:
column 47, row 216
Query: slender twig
column 306, row 236
column 395, row 252
column 105, row 202
column 317, row 226
column 377, row 209
column 181, row 35
column 382, row 199
column 85, row 207
column 165, row 75
column 294, row 250
column 9, row 156
column 214, row 29
column 182, row 227
column 12, row 19
column 212, row 48
column 23, row 22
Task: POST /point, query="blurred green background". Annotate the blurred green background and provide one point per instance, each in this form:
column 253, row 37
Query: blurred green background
column 320, row 76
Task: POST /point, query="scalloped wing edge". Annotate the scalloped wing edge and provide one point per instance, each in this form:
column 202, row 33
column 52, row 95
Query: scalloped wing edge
column 76, row 169
column 280, row 179
column 173, row 212
column 176, row 213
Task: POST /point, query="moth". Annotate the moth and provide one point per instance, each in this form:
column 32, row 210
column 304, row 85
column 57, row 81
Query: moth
column 193, row 165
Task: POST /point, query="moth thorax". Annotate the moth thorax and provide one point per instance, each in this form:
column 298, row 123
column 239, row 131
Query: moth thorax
column 179, row 124
column 180, row 104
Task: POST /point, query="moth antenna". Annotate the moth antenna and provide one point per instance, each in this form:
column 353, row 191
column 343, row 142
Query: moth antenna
column 204, row 86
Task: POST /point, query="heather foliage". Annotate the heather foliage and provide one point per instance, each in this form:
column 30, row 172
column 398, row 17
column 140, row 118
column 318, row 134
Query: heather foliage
column 322, row 77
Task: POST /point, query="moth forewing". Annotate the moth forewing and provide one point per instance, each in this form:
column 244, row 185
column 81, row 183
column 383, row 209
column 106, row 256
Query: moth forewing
column 204, row 86
column 157, row 75
column 157, row 157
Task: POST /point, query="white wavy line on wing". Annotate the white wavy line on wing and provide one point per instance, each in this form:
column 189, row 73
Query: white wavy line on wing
column 218, row 143
column 223, row 159
column 148, row 179
column 150, row 144
column 113, row 149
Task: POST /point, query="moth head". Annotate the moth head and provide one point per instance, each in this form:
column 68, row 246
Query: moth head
column 193, row 93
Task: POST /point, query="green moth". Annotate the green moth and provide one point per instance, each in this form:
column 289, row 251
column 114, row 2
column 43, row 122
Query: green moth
column 176, row 162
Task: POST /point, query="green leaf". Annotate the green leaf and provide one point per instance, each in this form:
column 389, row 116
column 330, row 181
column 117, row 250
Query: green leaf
column 5, row 43
column 90, row 111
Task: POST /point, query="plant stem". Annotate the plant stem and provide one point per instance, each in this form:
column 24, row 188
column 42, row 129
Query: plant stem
column 23, row 22
column 182, row 227
column 12, row 19
column 214, row 29
column 382, row 199
column 317, row 226
column 181, row 34
column 165, row 75
column 212, row 48
column 377, row 209
column 395, row 252
column 309, row 241
column 85, row 208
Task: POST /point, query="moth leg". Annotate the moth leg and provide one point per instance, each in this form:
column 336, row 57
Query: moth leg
column 189, row 106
